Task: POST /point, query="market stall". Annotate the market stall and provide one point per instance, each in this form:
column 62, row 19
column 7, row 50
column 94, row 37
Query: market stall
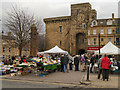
column 111, row 49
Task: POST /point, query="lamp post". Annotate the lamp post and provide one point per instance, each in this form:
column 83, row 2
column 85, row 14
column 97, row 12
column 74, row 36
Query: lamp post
column 114, row 35
column 99, row 42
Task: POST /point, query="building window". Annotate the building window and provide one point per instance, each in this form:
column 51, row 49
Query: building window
column 9, row 42
column 88, row 41
column 3, row 49
column 101, row 22
column 9, row 56
column 88, row 32
column 117, row 41
column 94, row 41
column 102, row 31
column 109, row 22
column 117, row 30
column 60, row 43
column 94, row 23
column 110, row 39
column 109, row 31
column 3, row 41
column 102, row 39
column 60, row 28
column 9, row 49
column 3, row 56
column 94, row 31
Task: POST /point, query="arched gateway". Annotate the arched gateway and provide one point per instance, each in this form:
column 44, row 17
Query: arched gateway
column 80, row 43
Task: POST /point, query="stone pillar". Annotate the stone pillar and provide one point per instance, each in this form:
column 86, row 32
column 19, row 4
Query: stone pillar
column 33, row 41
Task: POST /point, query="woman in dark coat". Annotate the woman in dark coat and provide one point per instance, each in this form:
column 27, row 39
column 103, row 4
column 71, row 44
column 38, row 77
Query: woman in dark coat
column 76, row 62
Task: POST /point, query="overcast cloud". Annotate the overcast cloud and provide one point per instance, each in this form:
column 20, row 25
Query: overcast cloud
column 56, row 8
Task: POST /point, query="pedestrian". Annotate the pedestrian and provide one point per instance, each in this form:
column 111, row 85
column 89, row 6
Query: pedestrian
column 99, row 67
column 65, row 62
column 61, row 61
column 105, row 67
column 70, row 61
column 82, row 59
column 92, row 61
column 76, row 62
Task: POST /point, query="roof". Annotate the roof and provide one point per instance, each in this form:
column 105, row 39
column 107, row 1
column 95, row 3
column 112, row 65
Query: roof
column 116, row 21
column 8, row 37
column 80, row 4
column 57, row 18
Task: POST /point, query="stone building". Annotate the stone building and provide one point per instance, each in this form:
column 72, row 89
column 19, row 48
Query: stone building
column 9, row 48
column 78, row 32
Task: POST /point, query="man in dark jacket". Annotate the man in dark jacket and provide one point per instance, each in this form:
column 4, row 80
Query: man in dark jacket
column 92, row 60
column 76, row 62
column 65, row 62
column 62, row 66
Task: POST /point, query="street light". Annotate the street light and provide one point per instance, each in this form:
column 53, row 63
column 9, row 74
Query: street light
column 99, row 43
column 114, row 35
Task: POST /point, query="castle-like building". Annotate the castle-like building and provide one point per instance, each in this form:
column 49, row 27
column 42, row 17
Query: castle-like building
column 78, row 33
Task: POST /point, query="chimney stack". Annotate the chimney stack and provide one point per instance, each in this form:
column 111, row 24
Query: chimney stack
column 112, row 15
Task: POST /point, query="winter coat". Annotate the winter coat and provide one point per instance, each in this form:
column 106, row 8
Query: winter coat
column 61, row 59
column 82, row 60
column 70, row 59
column 105, row 63
column 65, row 60
column 92, row 60
column 99, row 62
column 76, row 60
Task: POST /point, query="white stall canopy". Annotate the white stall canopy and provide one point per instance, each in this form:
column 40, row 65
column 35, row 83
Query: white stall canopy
column 109, row 48
column 57, row 50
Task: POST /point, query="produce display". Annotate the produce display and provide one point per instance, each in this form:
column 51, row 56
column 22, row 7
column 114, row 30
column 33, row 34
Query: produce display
column 42, row 64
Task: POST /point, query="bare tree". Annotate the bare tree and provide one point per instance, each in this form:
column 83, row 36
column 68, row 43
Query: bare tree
column 19, row 22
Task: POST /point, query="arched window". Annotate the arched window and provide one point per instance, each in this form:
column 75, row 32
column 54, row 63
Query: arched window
column 94, row 23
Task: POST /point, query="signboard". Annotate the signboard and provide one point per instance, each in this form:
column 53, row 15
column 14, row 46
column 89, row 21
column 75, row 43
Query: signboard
column 93, row 48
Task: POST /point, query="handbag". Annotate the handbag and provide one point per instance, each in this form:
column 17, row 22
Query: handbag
column 109, row 65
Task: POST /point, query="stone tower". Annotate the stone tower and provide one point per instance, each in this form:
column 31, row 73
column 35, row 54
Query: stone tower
column 81, row 16
column 33, row 40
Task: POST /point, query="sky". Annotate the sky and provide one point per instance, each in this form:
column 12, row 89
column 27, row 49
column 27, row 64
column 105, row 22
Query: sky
column 55, row 8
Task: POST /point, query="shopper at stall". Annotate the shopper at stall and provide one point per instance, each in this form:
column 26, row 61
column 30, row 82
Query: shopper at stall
column 105, row 67
column 61, row 60
column 70, row 61
column 76, row 62
column 65, row 62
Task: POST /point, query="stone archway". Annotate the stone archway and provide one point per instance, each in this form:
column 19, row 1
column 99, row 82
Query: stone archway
column 80, row 43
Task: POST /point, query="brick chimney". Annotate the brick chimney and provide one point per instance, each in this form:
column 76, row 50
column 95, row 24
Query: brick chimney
column 112, row 15
column 9, row 33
